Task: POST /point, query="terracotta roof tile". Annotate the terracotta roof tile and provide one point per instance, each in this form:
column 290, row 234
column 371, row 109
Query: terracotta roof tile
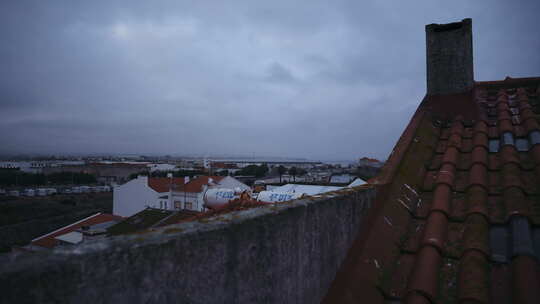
column 511, row 176
column 477, row 200
column 469, row 237
column 49, row 240
column 196, row 185
column 480, row 155
column 531, row 125
column 480, row 139
column 454, row 141
column 493, row 132
column 435, row 232
column 164, row 184
column 417, row 298
column 451, row 156
column 441, row 198
column 509, row 154
column 478, row 175
column 500, row 284
column 476, row 234
column 505, row 125
column 446, row 175
column 515, row 202
column 424, row 276
column 525, row 280
column 473, row 284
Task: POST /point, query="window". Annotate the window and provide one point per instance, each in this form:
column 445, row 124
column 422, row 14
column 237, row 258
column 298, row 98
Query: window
column 165, row 205
column 160, row 205
column 177, row 205
column 188, row 205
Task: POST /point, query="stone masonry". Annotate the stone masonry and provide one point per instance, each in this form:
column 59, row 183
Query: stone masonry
column 285, row 253
column 449, row 58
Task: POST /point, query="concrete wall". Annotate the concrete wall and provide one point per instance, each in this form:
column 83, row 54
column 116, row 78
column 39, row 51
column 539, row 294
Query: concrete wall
column 286, row 253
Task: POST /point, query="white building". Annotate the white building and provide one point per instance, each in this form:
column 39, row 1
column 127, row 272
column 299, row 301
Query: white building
column 142, row 192
column 167, row 193
column 190, row 196
column 342, row 178
column 162, row 167
column 357, row 182
column 303, row 189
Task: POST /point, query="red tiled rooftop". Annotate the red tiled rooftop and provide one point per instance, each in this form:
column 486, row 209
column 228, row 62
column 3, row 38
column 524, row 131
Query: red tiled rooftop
column 457, row 218
column 49, row 241
column 221, row 165
column 163, row 184
column 196, row 185
column 373, row 160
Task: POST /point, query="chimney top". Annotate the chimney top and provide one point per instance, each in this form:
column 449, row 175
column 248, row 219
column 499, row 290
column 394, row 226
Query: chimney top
column 449, row 58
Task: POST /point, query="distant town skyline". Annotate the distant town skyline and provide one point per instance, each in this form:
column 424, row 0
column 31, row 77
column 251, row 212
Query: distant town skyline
column 314, row 79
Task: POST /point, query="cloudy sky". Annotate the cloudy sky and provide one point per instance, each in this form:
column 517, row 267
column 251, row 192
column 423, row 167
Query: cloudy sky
column 314, row 79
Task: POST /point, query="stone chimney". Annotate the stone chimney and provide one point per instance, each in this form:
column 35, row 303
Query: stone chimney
column 449, row 58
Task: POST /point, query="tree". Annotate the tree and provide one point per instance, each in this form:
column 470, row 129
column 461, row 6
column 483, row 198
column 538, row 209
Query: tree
column 293, row 171
column 253, row 170
column 281, row 171
column 261, row 170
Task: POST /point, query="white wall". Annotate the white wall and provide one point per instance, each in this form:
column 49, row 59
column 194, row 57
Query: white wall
column 232, row 183
column 134, row 196
column 197, row 198
column 183, row 197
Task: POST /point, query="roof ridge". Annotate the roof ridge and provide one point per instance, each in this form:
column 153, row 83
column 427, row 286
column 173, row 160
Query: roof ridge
column 67, row 226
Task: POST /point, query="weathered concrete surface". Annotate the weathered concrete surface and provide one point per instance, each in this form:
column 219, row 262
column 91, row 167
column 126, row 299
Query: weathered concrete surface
column 286, row 253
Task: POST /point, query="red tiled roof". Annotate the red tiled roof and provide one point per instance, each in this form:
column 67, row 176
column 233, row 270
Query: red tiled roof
column 49, row 241
column 373, row 160
column 162, row 184
column 220, row 165
column 457, row 217
column 196, row 185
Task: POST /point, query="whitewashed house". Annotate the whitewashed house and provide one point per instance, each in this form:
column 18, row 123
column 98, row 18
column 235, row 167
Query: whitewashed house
column 190, row 195
column 168, row 193
column 142, row 192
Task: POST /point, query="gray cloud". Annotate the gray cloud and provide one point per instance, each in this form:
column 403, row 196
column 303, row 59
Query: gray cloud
column 313, row 79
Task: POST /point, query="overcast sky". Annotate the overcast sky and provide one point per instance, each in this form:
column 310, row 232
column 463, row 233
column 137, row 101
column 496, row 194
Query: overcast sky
column 314, row 79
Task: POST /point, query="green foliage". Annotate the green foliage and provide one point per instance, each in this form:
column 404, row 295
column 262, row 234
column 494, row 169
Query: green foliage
column 293, row 171
column 18, row 178
column 281, row 171
column 71, row 178
column 223, row 173
column 254, row 170
column 301, row 172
